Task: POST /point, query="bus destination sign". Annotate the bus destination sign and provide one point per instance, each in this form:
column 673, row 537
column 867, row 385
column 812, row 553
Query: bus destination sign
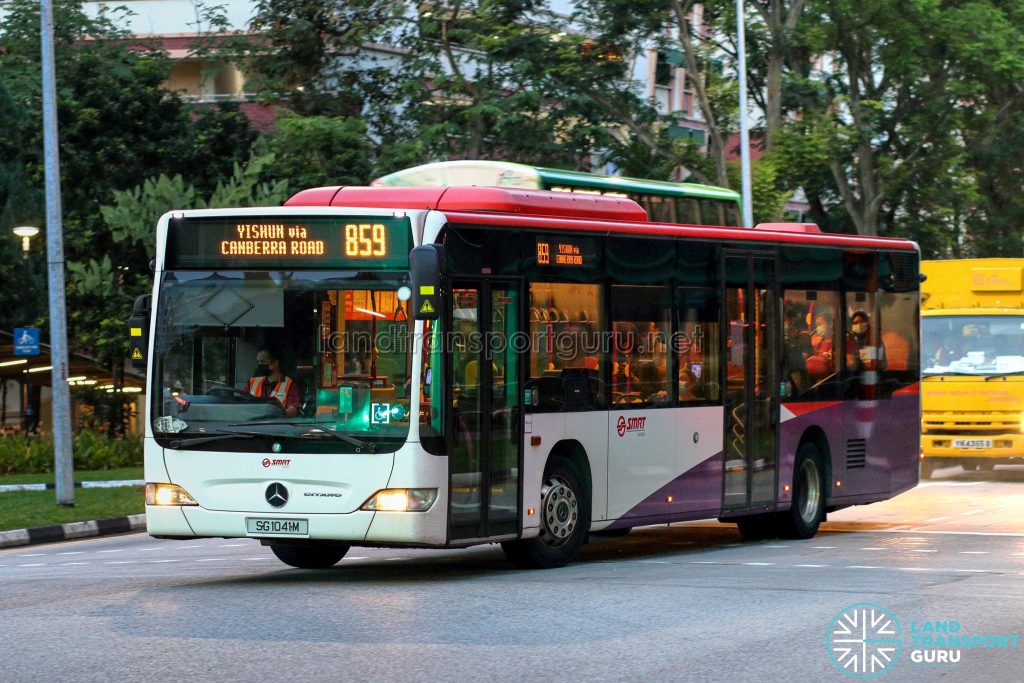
column 560, row 252
column 365, row 242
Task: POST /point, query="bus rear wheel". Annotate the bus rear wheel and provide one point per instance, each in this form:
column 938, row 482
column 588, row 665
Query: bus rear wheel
column 565, row 520
column 808, row 511
column 309, row 556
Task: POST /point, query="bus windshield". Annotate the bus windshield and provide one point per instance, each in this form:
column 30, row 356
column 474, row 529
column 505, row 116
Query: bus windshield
column 973, row 345
column 315, row 361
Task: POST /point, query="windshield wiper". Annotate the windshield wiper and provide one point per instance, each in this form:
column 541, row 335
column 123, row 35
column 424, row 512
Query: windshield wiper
column 314, row 428
column 1004, row 374
column 199, row 438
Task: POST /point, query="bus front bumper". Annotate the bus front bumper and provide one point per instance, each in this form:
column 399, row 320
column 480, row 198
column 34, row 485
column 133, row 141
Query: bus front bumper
column 357, row 528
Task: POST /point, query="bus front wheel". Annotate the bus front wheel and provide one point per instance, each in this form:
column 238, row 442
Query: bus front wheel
column 565, row 520
column 808, row 511
column 309, row 556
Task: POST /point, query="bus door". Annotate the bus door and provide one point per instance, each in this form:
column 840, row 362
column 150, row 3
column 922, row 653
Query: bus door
column 752, row 389
column 485, row 431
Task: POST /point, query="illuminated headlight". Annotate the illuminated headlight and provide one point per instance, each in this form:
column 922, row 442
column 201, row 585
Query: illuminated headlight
column 168, row 494
column 401, row 500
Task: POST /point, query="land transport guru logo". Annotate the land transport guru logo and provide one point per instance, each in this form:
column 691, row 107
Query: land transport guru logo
column 865, row 641
column 626, row 425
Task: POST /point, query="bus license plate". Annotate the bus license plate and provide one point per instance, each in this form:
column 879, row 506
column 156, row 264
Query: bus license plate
column 287, row 527
column 968, row 444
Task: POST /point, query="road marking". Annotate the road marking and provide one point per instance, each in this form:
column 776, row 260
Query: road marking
column 972, row 512
column 232, row 545
column 861, row 566
column 32, row 555
column 159, row 561
column 119, row 550
column 810, row 565
column 974, row 552
column 395, row 559
column 704, row 562
column 121, row 562
column 914, row 569
column 922, row 550
column 73, row 552
column 33, row 564
column 759, row 564
column 210, row 559
column 654, row 562
column 255, row 558
column 355, row 558
column 823, row 547
column 186, row 547
column 1011, row 534
column 874, row 548
column 977, row 571
column 936, row 519
column 73, row 564
column 775, row 546
column 159, row 547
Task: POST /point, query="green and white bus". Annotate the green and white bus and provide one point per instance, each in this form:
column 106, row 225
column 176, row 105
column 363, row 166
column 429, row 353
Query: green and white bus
column 665, row 202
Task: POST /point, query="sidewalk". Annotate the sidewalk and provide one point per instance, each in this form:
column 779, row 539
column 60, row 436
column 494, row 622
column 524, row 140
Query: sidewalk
column 54, row 533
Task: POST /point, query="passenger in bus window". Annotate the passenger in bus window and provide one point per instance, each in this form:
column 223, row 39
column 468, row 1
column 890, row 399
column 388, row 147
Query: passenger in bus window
column 797, row 348
column 820, row 364
column 861, row 354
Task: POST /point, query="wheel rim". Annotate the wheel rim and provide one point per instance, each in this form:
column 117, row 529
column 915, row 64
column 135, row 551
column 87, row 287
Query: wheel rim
column 561, row 511
column 810, row 492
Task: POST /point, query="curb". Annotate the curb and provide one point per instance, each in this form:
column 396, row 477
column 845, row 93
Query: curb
column 100, row 484
column 54, row 533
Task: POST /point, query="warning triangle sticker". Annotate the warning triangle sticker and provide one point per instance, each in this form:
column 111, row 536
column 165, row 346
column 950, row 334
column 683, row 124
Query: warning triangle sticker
column 425, row 307
column 136, row 354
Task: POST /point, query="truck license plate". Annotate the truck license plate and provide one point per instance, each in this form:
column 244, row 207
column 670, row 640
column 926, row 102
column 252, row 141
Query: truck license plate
column 972, row 443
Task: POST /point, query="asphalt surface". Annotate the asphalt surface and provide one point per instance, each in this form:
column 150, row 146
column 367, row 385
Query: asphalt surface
column 686, row 602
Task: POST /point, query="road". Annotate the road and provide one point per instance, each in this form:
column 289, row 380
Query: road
column 686, row 602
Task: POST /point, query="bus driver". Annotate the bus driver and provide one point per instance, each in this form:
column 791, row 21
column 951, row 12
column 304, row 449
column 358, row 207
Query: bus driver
column 268, row 380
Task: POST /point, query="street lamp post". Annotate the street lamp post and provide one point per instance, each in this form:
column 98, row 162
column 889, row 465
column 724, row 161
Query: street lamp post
column 26, row 233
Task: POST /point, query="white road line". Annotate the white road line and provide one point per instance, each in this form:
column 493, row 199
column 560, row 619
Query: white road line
column 914, row 569
column 815, row 566
column 232, row 545
column 1010, row 534
column 32, row 555
column 874, row 548
column 121, row 562
column 186, row 547
column 922, row 550
column 861, row 566
column 704, row 562
column 823, row 547
column 976, row 571
column 255, row 558
column 210, row 559
column 936, row 519
column 758, row 564
column 118, row 550
column 355, row 558
column 395, row 559
column 775, row 546
column 33, row 564
column 972, row 512
column 159, row 547
column 159, row 561
column 72, row 564
column 73, row 552
column 974, row 552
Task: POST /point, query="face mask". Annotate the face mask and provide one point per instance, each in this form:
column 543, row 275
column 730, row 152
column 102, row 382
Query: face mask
column 859, row 328
column 261, row 371
column 820, row 330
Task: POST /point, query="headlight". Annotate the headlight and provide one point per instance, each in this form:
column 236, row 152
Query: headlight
column 401, row 500
column 168, row 494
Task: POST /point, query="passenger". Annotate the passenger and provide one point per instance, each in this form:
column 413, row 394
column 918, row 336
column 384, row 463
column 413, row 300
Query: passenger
column 797, row 348
column 268, row 381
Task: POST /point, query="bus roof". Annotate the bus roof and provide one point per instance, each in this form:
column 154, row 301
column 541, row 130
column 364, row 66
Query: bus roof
column 563, row 211
column 513, row 175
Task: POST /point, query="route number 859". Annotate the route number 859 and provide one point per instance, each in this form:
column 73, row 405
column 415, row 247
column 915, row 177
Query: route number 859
column 365, row 239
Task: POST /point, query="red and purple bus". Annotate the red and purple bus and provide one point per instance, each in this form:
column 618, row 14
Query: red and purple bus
column 444, row 367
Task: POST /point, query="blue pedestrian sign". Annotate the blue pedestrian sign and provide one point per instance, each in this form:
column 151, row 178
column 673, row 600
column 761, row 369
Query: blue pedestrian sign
column 26, row 341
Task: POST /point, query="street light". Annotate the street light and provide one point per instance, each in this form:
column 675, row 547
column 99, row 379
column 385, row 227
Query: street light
column 26, row 233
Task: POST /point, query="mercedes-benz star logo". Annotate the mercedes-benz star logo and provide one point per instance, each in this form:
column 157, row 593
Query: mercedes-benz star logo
column 277, row 495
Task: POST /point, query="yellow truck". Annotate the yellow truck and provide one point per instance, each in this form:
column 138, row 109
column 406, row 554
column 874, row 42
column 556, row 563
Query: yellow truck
column 972, row 378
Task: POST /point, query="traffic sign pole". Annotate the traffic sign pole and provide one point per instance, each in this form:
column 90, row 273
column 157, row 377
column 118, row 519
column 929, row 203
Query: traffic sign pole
column 60, row 392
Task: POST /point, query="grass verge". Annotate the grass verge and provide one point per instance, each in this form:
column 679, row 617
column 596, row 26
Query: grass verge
column 22, row 509
column 80, row 475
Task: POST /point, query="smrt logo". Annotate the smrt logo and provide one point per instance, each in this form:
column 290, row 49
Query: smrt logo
column 632, row 424
column 267, row 462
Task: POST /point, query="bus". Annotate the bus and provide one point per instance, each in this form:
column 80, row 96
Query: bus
column 664, row 202
column 972, row 393
column 445, row 367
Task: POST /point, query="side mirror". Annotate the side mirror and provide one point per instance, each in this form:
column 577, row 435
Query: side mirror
column 425, row 265
column 138, row 331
